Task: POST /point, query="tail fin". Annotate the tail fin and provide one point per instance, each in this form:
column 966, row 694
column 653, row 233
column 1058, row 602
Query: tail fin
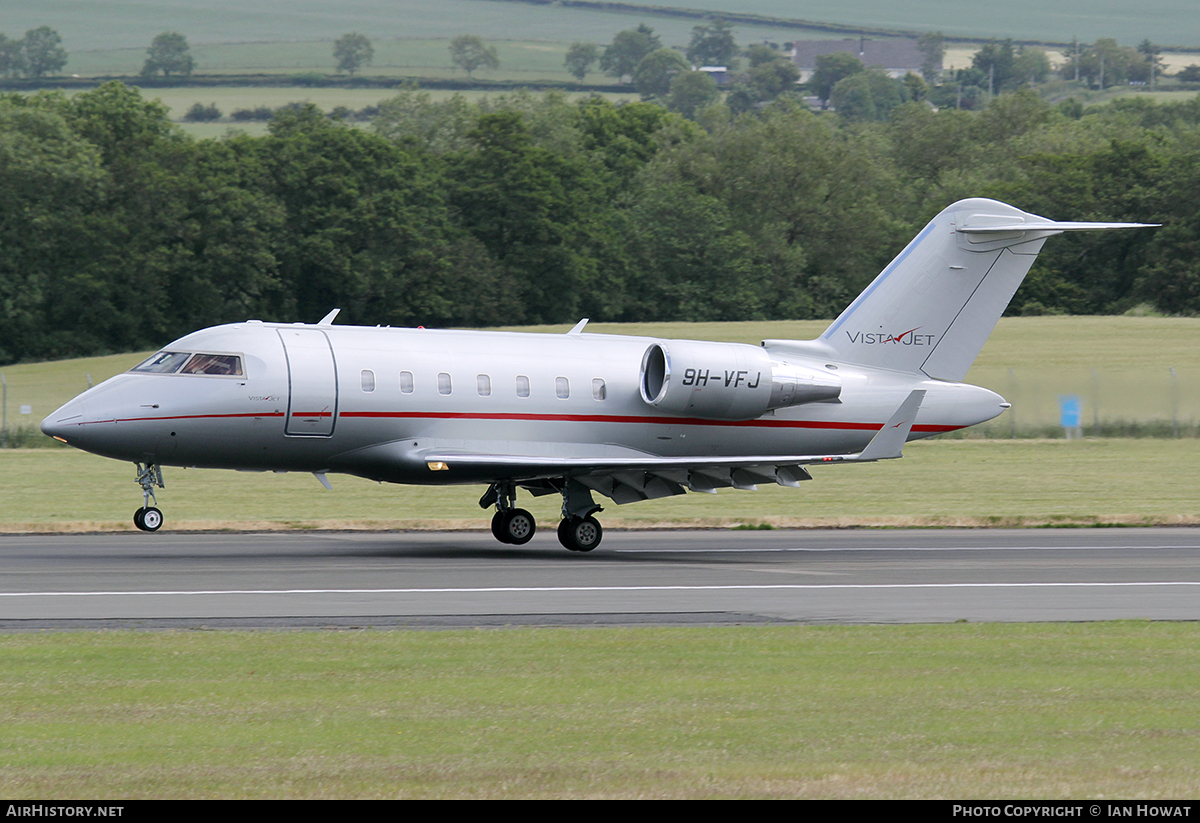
column 933, row 307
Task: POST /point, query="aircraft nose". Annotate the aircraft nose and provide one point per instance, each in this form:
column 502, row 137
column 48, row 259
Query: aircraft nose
column 64, row 420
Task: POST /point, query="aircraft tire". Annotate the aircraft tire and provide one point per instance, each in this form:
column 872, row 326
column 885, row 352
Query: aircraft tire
column 137, row 519
column 152, row 519
column 498, row 527
column 580, row 534
column 564, row 533
column 518, row 527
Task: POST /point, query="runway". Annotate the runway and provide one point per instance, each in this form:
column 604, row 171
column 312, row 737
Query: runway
column 422, row 579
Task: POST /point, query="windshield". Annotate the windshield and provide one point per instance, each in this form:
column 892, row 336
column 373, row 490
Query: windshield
column 165, row 362
column 174, row 362
column 226, row 364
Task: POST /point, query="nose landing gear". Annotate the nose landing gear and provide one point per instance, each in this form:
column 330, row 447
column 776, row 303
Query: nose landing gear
column 148, row 518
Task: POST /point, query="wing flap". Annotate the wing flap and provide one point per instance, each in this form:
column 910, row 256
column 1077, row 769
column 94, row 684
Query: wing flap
column 637, row 476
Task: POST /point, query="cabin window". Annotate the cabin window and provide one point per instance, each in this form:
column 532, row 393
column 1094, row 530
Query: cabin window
column 522, row 386
column 483, row 383
column 444, row 386
column 406, row 382
column 165, row 362
column 368, row 380
column 599, row 390
column 226, row 365
column 562, row 388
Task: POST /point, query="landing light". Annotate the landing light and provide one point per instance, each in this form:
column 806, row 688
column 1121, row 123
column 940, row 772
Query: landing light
column 60, row 439
column 438, row 466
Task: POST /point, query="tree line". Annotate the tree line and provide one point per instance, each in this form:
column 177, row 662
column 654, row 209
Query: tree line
column 119, row 232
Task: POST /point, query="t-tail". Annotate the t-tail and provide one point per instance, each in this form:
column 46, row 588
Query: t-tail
column 932, row 309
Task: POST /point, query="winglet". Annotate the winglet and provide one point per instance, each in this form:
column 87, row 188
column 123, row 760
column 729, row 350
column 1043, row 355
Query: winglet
column 890, row 440
column 327, row 320
column 578, row 328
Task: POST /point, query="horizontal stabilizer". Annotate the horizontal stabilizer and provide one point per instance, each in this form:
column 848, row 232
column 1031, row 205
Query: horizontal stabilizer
column 890, row 440
column 1052, row 226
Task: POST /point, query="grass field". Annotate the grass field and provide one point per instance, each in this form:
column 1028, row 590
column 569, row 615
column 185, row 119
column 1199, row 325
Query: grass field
column 979, row 711
column 90, row 27
column 938, row 483
column 87, row 25
column 530, row 61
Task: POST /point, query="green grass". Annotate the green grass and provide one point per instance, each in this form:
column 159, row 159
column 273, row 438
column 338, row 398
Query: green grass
column 1163, row 21
column 988, row 711
column 89, row 25
column 519, row 60
column 938, row 483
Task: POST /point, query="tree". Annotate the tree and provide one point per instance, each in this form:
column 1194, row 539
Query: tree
column 692, row 91
column 42, row 52
column 1151, row 51
column 932, row 44
column 628, row 49
column 996, row 61
column 1105, row 63
column 580, row 57
column 352, row 51
column 200, row 113
column 832, row 68
column 867, row 95
column 169, row 54
column 12, row 61
column 469, row 53
column 1031, row 65
column 761, row 53
column 773, row 78
column 653, row 75
column 712, row 45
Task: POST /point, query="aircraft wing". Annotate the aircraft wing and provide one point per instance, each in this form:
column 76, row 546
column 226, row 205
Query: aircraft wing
column 637, row 476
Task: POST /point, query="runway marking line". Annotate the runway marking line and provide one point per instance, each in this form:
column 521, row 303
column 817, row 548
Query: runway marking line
column 509, row 589
column 897, row 549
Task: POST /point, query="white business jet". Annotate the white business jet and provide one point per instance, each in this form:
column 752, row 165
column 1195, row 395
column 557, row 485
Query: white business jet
column 630, row 418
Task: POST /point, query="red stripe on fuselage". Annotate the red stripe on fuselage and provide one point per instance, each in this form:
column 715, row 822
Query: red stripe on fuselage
column 641, row 420
column 553, row 418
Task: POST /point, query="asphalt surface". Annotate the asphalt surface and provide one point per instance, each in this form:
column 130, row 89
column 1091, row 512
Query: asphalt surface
column 416, row 579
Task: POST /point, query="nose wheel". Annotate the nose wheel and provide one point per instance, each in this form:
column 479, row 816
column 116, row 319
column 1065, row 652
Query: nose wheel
column 148, row 518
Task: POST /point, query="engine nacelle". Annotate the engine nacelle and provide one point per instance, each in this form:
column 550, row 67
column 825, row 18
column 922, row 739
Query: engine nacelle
column 726, row 381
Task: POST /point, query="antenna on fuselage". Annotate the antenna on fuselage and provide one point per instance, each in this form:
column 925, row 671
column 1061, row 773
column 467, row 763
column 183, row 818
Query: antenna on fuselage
column 327, row 320
column 578, row 328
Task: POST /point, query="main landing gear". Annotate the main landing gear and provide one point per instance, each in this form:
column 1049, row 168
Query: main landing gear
column 148, row 518
column 578, row 530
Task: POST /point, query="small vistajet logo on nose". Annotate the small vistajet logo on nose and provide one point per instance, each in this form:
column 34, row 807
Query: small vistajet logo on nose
column 906, row 338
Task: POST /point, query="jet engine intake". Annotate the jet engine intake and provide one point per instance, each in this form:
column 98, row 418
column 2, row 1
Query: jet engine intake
column 726, row 381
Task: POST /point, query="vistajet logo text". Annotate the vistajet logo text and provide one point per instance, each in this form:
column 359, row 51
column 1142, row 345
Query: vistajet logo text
column 907, row 338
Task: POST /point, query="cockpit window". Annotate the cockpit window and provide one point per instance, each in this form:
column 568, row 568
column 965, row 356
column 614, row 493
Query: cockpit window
column 229, row 365
column 174, row 362
column 165, row 362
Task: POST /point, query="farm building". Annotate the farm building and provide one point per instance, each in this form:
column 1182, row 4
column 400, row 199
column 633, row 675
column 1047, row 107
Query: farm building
column 896, row 55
